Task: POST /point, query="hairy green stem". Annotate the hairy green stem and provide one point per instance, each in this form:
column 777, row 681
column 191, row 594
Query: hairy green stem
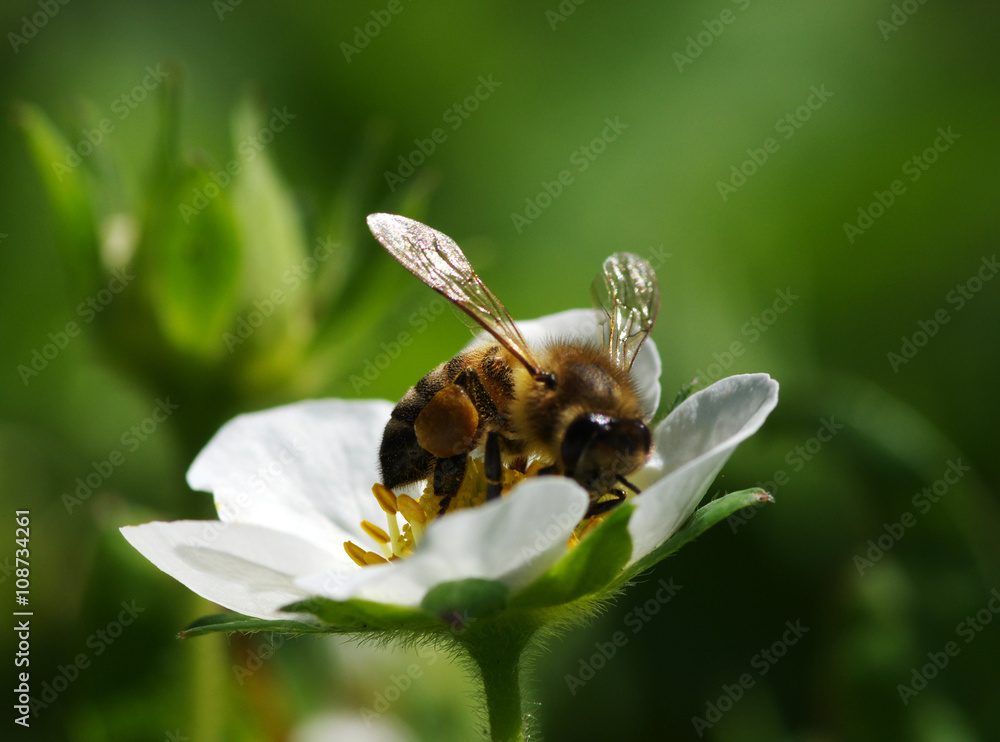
column 497, row 651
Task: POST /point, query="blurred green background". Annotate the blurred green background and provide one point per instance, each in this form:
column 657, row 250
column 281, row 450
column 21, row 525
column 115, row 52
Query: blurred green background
column 848, row 94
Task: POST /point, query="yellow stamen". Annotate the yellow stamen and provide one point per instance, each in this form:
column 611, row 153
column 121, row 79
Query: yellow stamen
column 386, row 498
column 356, row 553
column 375, row 532
column 411, row 509
column 397, row 542
column 390, row 519
column 415, row 516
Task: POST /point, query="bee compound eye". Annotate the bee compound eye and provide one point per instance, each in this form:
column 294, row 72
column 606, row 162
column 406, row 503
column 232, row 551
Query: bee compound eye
column 634, row 436
column 580, row 434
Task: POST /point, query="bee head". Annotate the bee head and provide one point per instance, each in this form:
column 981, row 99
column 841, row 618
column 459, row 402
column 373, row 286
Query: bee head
column 597, row 450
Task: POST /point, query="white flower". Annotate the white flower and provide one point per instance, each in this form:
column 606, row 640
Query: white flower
column 335, row 727
column 292, row 484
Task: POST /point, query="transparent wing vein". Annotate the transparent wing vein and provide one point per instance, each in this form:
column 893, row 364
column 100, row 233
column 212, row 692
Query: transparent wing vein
column 627, row 296
column 435, row 259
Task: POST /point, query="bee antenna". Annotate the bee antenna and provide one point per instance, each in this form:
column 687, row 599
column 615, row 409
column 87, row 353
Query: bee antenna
column 628, row 484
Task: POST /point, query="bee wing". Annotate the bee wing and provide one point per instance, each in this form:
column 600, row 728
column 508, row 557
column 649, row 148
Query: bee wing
column 626, row 293
column 436, row 260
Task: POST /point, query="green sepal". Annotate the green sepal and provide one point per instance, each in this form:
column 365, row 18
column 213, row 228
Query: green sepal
column 191, row 257
column 166, row 147
column 230, row 622
column 358, row 616
column 70, row 191
column 587, row 568
column 271, row 230
column 704, row 518
column 458, row 602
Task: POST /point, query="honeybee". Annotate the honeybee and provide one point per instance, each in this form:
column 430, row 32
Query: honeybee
column 570, row 405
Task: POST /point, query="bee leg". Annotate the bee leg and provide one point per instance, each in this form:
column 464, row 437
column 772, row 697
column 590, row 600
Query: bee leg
column 493, row 466
column 448, row 475
column 606, row 506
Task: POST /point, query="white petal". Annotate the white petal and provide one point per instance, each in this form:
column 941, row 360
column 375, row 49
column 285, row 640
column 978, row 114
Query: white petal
column 693, row 444
column 646, row 374
column 581, row 326
column 247, row 569
column 514, row 540
column 304, row 468
column 343, row 727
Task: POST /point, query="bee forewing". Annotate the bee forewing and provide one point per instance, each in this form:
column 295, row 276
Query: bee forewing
column 435, row 259
column 625, row 292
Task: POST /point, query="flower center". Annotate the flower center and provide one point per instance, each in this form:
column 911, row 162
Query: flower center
column 395, row 542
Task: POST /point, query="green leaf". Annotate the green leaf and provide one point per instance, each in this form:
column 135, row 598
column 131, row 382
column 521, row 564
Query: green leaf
column 704, row 518
column 461, row 601
column 238, row 622
column 63, row 171
column 594, row 563
column 355, row 616
column 191, row 262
